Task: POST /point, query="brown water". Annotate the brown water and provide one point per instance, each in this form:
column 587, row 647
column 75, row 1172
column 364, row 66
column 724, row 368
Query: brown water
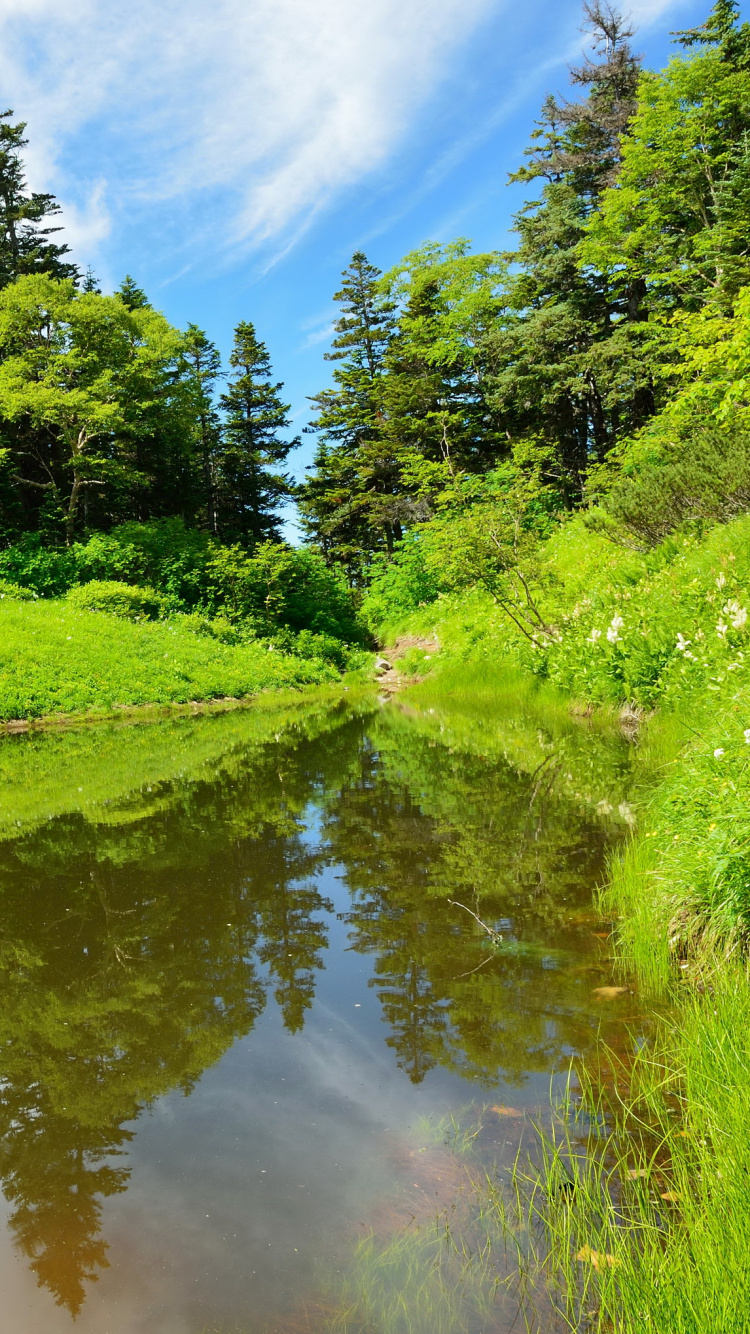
column 243, row 1027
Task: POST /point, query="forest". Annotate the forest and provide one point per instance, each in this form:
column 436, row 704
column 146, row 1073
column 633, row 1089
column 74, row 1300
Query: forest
column 587, row 384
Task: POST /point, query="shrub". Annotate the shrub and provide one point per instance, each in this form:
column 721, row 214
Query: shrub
column 47, row 571
column 135, row 604
column 401, row 584
column 281, row 586
column 326, row 648
column 15, row 593
column 701, row 478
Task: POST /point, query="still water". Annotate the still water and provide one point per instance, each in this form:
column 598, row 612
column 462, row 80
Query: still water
column 247, row 1019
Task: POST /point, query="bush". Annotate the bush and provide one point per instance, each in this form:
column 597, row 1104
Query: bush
column 326, row 648
column 699, row 479
column 135, row 604
column 15, row 592
column 47, row 571
column 401, row 584
column 280, row 586
column 276, row 587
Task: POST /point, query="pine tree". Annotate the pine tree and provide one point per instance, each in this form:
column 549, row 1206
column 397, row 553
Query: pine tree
column 554, row 384
column 204, row 368
column 132, row 295
column 89, row 283
column 352, row 465
column 25, row 246
column 250, row 487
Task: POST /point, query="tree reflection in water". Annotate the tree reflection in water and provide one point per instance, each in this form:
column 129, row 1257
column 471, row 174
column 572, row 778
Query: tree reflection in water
column 145, row 923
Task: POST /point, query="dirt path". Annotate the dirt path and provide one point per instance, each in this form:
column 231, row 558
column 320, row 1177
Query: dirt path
column 389, row 677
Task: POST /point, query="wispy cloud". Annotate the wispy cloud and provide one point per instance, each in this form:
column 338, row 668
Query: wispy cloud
column 270, row 106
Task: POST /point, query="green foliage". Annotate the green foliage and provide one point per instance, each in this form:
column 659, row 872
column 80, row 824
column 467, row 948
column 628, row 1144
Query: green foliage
column 239, row 595
column 486, row 533
column 281, row 586
column 677, row 221
column 95, row 379
column 402, row 584
column 25, row 244
column 15, row 592
column 128, row 600
column 54, row 659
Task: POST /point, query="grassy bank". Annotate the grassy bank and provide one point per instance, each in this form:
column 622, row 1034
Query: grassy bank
column 650, row 1230
column 57, row 659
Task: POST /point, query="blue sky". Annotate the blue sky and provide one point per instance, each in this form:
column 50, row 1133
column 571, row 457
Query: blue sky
column 231, row 154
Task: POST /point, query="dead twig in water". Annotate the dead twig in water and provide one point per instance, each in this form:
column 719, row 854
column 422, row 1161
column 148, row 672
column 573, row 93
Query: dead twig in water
column 494, row 936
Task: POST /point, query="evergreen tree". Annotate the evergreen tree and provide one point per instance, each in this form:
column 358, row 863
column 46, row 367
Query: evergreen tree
column 204, row 368
column 409, row 391
column 350, row 464
column 553, row 383
column 89, row 283
column 132, row 295
column 678, row 225
column 25, row 246
column 250, row 486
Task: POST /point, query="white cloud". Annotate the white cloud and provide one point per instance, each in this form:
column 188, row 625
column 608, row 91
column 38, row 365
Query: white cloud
column 275, row 104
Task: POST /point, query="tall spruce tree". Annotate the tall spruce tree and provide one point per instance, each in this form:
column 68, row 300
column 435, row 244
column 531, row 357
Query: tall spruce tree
column 553, row 384
column 25, row 245
column 131, row 294
column 204, row 368
column 342, row 501
column 250, row 486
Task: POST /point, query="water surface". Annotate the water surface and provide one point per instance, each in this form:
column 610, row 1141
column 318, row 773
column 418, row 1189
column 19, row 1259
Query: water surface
column 241, row 1002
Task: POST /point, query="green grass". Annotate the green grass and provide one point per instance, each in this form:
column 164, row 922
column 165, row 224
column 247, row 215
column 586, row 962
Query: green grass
column 651, row 1230
column 57, row 660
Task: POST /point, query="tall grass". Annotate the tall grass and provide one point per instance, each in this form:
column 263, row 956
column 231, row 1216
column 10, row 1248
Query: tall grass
column 647, row 1221
column 56, row 659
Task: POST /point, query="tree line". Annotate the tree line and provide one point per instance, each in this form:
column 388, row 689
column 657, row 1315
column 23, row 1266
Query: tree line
column 450, row 367
column 107, row 412
column 457, row 375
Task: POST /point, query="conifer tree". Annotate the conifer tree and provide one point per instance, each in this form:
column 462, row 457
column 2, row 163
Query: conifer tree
column 553, row 384
column 25, row 245
column 132, row 295
column 251, row 488
column 204, row 368
column 351, row 464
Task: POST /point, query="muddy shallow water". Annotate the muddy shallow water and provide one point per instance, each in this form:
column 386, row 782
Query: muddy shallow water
column 247, row 1020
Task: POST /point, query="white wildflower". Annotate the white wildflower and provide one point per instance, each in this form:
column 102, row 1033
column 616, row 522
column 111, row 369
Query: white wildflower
column 739, row 620
column 683, row 644
column 721, row 581
column 746, row 735
column 613, row 633
column 700, row 634
column 595, row 634
column 721, row 629
column 718, row 753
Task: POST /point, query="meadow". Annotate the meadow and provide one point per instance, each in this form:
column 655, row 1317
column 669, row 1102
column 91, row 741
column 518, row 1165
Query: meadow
column 58, row 659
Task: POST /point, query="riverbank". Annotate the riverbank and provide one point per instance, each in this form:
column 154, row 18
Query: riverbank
column 652, row 1229
column 58, row 661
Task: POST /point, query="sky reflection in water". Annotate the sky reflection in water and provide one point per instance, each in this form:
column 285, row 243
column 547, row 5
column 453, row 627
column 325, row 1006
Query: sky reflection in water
column 232, row 984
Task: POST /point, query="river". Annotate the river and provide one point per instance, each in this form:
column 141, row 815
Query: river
column 252, row 1037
